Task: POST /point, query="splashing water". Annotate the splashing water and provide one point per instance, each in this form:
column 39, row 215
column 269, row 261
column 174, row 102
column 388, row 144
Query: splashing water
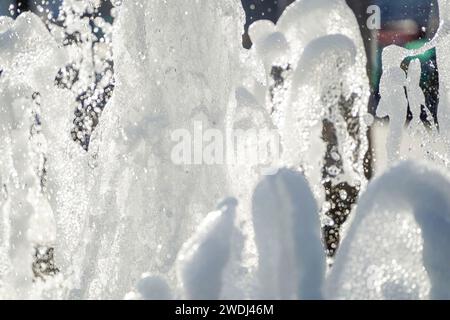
column 94, row 207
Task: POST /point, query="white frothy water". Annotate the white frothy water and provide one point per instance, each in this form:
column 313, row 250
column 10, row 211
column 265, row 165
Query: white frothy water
column 126, row 221
column 397, row 248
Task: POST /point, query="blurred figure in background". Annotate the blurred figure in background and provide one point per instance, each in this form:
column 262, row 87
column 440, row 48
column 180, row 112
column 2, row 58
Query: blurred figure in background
column 410, row 24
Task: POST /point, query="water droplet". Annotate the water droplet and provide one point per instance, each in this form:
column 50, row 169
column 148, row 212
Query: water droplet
column 327, row 221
